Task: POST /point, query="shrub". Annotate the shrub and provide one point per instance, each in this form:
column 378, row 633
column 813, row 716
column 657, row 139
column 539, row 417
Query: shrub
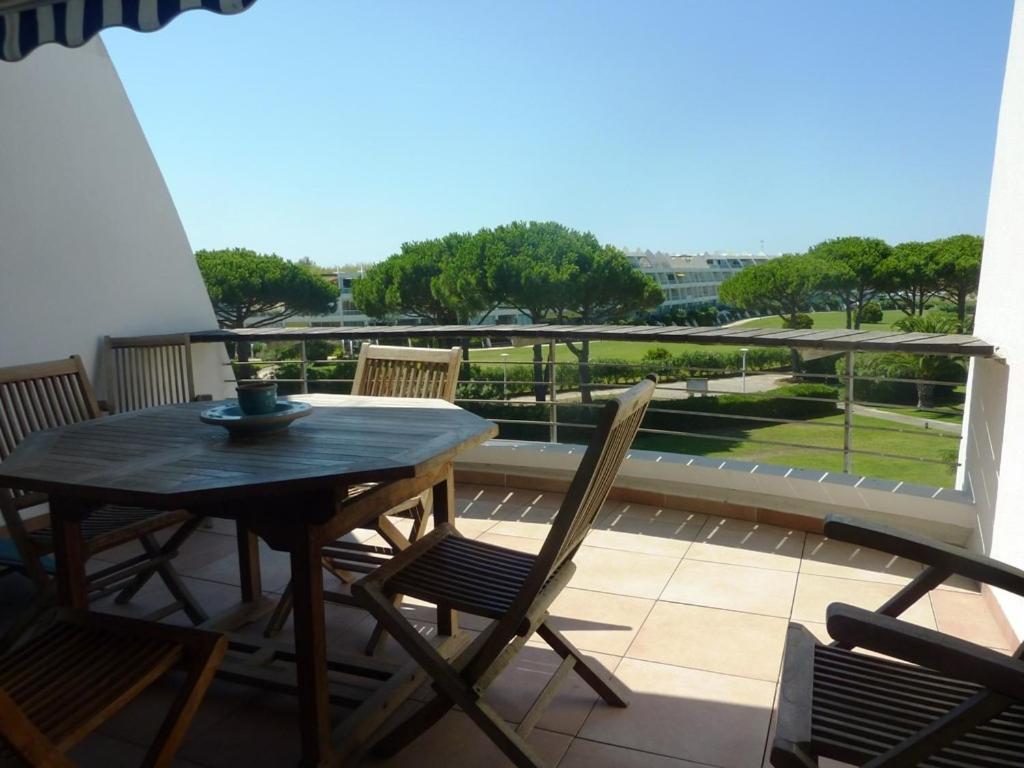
column 800, row 321
column 871, row 312
column 695, row 414
column 485, row 381
column 900, row 366
column 657, row 354
column 316, row 349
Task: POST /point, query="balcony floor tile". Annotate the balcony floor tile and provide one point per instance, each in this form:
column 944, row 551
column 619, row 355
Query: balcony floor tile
column 689, row 609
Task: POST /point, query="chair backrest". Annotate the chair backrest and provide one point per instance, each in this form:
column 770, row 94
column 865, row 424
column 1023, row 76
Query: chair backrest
column 407, row 372
column 146, row 371
column 617, row 425
column 35, row 397
column 42, row 396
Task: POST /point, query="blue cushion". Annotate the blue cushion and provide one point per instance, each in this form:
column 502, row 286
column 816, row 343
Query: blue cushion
column 10, row 556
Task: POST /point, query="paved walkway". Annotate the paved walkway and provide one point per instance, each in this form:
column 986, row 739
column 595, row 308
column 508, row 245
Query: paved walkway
column 901, row 418
column 677, row 390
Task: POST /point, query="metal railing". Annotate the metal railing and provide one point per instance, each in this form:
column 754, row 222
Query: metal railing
column 844, row 424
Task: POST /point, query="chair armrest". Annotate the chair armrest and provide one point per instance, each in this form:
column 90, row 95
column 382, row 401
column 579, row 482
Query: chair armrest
column 927, row 648
column 944, row 557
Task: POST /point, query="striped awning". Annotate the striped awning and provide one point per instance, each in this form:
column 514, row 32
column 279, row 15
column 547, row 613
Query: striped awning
column 27, row 24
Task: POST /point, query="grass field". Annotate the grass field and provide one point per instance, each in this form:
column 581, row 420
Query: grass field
column 827, row 321
column 808, row 438
column 630, row 351
column 954, row 414
column 809, row 441
column 633, row 351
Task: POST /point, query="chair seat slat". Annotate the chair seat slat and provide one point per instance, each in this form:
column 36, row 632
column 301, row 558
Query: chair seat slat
column 864, row 706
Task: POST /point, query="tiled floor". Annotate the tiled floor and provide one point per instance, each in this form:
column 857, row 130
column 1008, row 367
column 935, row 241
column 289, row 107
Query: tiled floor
column 689, row 611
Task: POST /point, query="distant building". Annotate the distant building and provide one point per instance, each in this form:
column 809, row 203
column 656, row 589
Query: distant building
column 691, row 281
column 687, row 280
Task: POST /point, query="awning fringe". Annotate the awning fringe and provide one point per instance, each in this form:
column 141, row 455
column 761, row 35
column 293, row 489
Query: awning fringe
column 72, row 23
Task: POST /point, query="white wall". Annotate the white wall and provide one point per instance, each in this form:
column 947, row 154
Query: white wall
column 993, row 451
column 90, row 241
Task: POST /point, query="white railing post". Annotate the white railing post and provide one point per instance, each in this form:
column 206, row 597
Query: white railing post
column 504, row 375
column 553, row 393
column 303, row 366
column 848, row 396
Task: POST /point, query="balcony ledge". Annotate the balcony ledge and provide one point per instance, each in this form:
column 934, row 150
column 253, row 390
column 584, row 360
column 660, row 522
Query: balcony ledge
column 772, row 494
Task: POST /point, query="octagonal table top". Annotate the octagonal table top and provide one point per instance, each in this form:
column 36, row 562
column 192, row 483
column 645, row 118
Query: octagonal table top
column 166, row 457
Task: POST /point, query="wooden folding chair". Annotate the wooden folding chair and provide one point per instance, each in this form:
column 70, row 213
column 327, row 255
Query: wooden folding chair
column 147, row 371
column 510, row 587
column 61, row 686
column 384, row 372
column 53, row 394
column 941, row 702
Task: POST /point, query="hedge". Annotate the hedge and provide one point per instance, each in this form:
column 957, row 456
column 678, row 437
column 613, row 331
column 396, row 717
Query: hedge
column 611, row 371
column 694, row 414
column 900, row 366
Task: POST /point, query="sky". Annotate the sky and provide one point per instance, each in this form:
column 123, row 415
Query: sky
column 337, row 130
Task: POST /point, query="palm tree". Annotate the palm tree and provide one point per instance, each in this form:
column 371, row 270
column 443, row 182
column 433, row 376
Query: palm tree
column 925, row 368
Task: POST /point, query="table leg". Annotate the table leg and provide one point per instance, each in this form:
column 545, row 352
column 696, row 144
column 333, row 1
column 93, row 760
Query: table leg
column 444, row 512
column 249, row 563
column 69, row 552
column 311, row 650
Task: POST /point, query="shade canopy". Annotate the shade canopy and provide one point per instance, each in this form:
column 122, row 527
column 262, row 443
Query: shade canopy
column 27, row 24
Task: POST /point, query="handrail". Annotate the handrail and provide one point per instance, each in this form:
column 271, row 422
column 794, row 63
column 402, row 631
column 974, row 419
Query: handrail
column 515, row 406
column 841, row 340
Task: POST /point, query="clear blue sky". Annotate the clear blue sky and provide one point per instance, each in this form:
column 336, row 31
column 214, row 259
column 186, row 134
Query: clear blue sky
column 337, row 130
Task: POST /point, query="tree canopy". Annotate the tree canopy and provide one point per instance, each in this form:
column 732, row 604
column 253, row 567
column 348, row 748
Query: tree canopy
column 958, row 268
column 423, row 279
column 244, row 285
column 783, row 286
column 544, row 269
column 851, row 270
column 909, row 276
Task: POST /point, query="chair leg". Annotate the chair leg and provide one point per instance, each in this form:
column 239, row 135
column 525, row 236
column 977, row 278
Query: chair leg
column 153, row 549
column 611, row 690
column 504, row 736
column 182, row 594
column 282, row 611
column 397, row 542
column 452, row 689
column 379, row 635
column 419, row 521
column 407, row 731
column 494, row 727
column 203, row 666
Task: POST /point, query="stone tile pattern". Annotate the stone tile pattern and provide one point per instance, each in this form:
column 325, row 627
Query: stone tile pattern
column 689, row 609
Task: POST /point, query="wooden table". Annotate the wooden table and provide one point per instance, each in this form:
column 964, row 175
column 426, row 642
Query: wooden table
column 286, row 487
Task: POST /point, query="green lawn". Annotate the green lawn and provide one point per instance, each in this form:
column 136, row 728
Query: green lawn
column 826, row 321
column 954, row 414
column 630, row 351
column 808, row 437
column 633, row 351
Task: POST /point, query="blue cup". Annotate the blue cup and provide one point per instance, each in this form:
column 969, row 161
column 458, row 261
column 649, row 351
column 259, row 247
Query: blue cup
column 257, row 398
